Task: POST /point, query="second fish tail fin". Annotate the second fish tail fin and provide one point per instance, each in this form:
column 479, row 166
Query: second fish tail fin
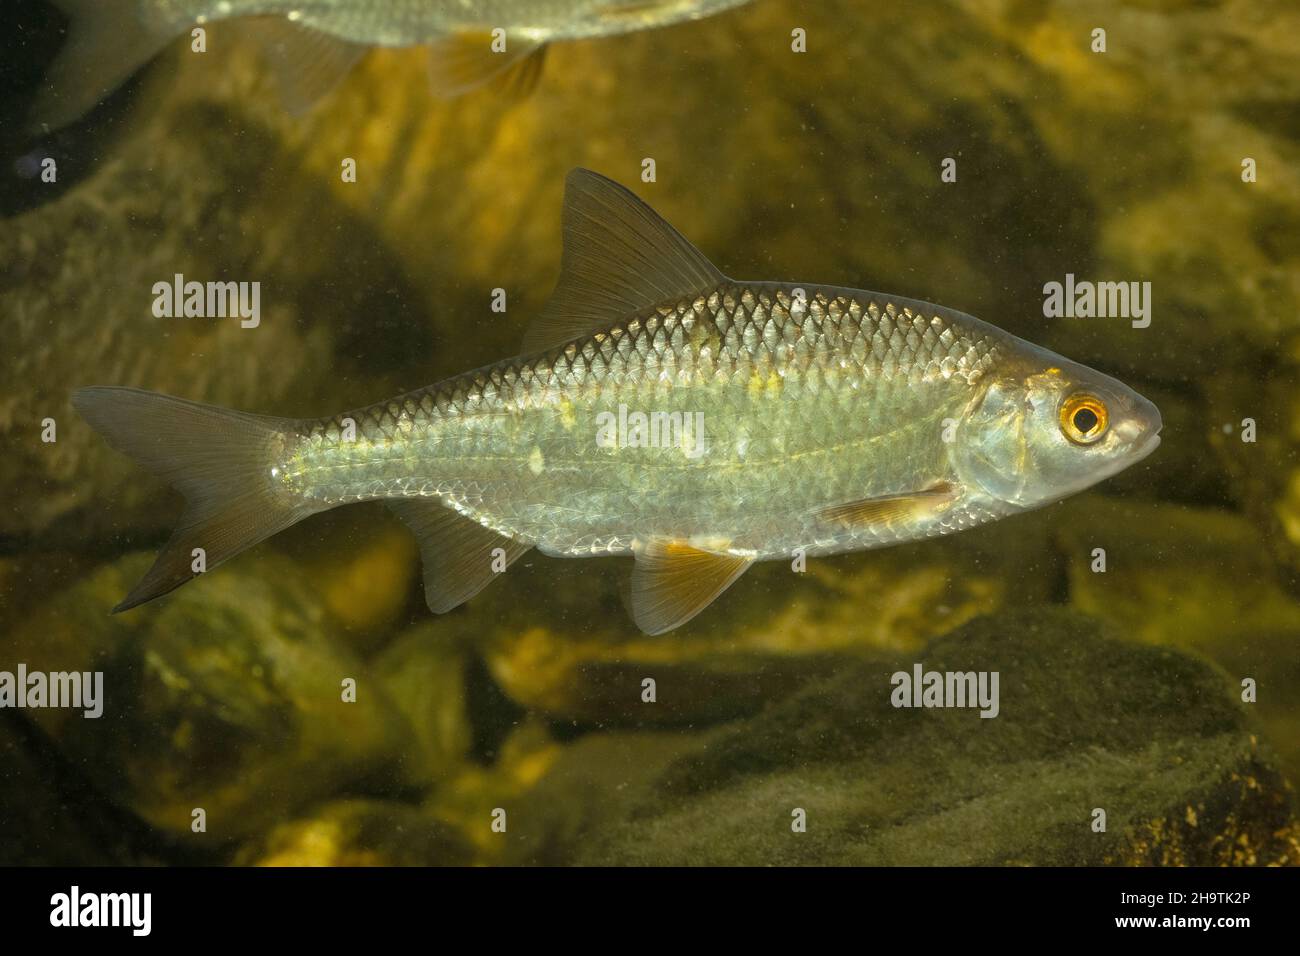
column 221, row 460
column 107, row 41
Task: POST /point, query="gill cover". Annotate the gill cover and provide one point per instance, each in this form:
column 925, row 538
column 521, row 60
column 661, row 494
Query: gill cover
column 990, row 444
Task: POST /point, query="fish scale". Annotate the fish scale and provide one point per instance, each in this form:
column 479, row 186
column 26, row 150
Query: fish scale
column 781, row 395
column 408, row 22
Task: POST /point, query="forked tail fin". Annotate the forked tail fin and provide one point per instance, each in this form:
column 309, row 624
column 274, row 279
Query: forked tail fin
column 220, row 460
column 107, row 42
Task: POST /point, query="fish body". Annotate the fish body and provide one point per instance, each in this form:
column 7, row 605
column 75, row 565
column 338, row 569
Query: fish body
column 662, row 410
column 807, row 397
column 416, row 22
column 310, row 45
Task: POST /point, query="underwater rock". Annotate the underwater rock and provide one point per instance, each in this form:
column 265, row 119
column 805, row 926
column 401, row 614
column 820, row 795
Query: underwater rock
column 1085, row 722
column 28, row 577
column 77, row 292
column 590, row 781
column 488, row 803
column 365, row 566
column 1252, row 425
column 577, row 656
column 359, row 833
column 423, row 674
column 1196, row 579
column 46, row 823
column 226, row 696
column 1013, row 92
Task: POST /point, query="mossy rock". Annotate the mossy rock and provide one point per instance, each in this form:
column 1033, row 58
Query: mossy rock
column 359, row 833
column 227, row 695
column 1087, row 722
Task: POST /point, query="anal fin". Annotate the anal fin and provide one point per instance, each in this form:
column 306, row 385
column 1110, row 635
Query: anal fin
column 459, row 555
column 673, row 581
column 891, row 509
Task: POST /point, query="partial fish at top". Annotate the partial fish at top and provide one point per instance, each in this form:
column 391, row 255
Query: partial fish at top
column 312, row 44
column 791, row 416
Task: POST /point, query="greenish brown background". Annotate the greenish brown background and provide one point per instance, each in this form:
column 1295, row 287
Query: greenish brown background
column 1119, row 690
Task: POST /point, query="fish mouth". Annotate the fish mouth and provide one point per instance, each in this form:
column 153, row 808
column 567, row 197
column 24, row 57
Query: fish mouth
column 1149, row 443
column 1151, row 423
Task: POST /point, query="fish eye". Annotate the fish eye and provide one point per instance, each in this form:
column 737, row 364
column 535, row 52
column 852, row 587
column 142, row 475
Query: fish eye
column 1083, row 418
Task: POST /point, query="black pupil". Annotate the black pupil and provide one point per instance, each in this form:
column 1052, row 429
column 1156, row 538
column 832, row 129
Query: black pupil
column 1085, row 420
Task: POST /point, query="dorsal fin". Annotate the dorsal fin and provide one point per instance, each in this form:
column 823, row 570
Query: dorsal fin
column 620, row 257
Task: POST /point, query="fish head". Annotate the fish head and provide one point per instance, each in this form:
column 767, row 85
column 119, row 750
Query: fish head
column 1048, row 427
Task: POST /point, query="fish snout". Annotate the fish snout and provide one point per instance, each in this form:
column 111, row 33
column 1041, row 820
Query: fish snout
column 1140, row 428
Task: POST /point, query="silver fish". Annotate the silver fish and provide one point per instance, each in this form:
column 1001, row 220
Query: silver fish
column 311, row 44
column 662, row 410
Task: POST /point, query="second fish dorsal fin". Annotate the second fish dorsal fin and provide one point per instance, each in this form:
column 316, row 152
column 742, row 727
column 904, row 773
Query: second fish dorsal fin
column 457, row 552
column 620, row 257
column 673, row 581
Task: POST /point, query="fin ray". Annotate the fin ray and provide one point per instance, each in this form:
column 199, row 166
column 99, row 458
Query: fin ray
column 890, row 509
column 673, row 581
column 461, row 62
column 107, row 42
column 305, row 63
column 620, row 257
column 456, row 551
column 219, row 459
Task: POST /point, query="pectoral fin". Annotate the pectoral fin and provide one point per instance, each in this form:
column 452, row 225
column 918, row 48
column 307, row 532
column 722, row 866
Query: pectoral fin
column 306, row 64
column 459, row 555
column 672, row 582
column 465, row 61
column 891, row 509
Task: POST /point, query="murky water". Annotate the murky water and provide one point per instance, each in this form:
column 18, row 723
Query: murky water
column 300, row 704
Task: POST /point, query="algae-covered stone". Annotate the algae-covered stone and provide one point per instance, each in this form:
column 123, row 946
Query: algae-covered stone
column 489, row 803
column 1197, row 579
column 78, row 296
column 423, row 673
column 1085, row 723
column 578, row 656
column 1254, row 424
column 586, row 783
column 228, row 696
column 359, row 833
column 48, row 816
column 365, row 566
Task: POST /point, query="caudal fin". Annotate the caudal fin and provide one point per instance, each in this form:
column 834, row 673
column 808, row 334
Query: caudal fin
column 107, row 42
column 219, row 459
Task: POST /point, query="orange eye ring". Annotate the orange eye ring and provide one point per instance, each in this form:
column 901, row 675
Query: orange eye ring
column 1084, row 418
